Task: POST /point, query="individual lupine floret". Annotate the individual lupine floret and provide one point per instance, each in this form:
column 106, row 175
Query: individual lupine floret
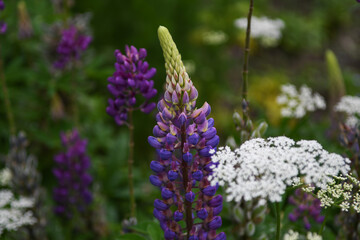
column 3, row 25
column 183, row 138
column 306, row 206
column 131, row 77
column 71, row 172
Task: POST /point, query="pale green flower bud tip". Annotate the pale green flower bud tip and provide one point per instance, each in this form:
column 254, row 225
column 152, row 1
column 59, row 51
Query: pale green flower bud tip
column 171, row 53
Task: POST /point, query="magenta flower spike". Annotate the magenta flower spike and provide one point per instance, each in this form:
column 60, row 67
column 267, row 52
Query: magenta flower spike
column 185, row 139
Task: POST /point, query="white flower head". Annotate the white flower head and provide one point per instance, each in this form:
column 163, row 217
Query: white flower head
column 13, row 213
column 263, row 28
column 264, row 168
column 351, row 106
column 295, row 104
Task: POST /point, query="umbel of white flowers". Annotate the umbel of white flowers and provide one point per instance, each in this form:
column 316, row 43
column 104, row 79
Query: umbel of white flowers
column 264, row 168
column 13, row 212
column 295, row 104
column 291, row 235
column 351, row 106
column 266, row 29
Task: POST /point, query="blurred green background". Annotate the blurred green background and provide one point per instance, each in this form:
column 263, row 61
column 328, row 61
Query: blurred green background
column 311, row 27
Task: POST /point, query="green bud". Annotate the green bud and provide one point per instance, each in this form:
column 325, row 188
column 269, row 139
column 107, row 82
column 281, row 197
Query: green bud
column 259, row 211
column 256, row 134
column 250, row 229
column 244, row 136
column 262, row 128
column 231, row 142
column 263, row 237
column 336, row 80
column 239, row 214
column 237, row 119
column 249, row 125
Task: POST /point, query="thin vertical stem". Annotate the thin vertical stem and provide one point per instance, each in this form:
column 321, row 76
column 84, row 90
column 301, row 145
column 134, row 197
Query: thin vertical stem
column 278, row 220
column 323, row 224
column 7, row 102
column 247, row 52
column 75, row 107
column 131, row 163
column 184, row 170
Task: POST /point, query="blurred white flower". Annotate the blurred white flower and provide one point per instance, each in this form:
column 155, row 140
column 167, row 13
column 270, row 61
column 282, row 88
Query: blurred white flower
column 266, row 29
column 214, row 37
column 351, row 106
column 264, row 168
column 13, row 213
column 295, row 104
column 292, row 235
column 5, row 177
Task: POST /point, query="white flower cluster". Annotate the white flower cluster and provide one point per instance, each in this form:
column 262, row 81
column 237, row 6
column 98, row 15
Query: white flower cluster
column 351, row 106
column 264, row 168
column 296, row 104
column 340, row 192
column 263, row 28
column 13, row 213
column 5, row 177
column 292, row 235
column 214, row 37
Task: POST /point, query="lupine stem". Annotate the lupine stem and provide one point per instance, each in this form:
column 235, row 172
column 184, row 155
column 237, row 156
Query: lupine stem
column 7, row 102
column 131, row 163
column 278, row 220
column 184, row 170
column 247, row 51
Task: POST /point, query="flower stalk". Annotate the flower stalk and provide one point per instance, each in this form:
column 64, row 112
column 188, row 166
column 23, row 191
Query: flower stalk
column 247, row 52
column 278, row 220
column 131, row 163
column 7, row 101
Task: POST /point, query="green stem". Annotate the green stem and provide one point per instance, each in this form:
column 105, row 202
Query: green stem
column 247, row 51
column 131, row 163
column 278, row 220
column 323, row 224
column 7, row 102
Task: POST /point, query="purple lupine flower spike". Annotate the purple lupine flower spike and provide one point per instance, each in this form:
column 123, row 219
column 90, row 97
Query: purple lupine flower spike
column 306, row 207
column 3, row 25
column 131, row 77
column 70, row 46
column 71, row 172
column 185, row 140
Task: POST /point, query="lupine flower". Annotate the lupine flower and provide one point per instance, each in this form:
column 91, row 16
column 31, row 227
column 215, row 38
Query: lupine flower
column 71, row 45
column 14, row 213
column 72, row 192
column 351, row 106
column 263, row 28
column 265, row 167
column 131, row 77
column 296, row 104
column 306, row 206
column 3, row 25
column 183, row 137
column 66, row 41
column 350, row 139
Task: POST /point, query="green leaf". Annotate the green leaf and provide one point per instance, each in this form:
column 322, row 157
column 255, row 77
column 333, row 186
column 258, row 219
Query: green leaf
column 131, row 236
column 155, row 232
